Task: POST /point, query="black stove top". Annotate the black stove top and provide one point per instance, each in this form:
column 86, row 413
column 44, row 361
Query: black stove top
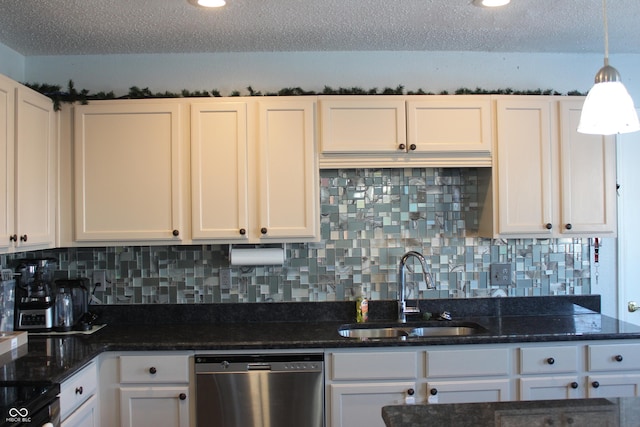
column 27, row 404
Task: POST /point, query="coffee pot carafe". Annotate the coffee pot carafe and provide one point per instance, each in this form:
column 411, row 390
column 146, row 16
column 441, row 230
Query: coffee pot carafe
column 63, row 319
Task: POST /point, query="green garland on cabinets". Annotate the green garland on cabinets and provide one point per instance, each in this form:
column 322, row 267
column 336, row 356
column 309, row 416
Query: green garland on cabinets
column 72, row 95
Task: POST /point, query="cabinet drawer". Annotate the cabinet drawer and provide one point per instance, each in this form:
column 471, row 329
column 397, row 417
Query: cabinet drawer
column 374, row 366
column 464, row 363
column 615, row 357
column 542, row 360
column 154, row 369
column 80, row 387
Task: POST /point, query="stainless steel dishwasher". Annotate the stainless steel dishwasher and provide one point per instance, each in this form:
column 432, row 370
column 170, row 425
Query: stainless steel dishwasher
column 274, row 390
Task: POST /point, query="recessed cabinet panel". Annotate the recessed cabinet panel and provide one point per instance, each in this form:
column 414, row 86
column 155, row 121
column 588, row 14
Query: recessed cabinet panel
column 543, row 388
column 365, row 125
column 450, row 124
column 469, row 391
column 524, row 168
column 219, row 170
column 588, row 171
column 127, row 172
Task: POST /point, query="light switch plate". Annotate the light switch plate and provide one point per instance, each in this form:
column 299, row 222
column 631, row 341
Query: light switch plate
column 500, row 274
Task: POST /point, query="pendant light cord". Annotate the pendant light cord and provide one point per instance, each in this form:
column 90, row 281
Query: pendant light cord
column 606, row 32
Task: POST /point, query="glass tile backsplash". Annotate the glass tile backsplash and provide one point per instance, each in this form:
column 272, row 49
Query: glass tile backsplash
column 369, row 219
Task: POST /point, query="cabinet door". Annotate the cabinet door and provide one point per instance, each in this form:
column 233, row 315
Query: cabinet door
column 361, row 404
column 497, row 390
column 543, row 388
column 127, row 172
column 623, row 385
column 154, row 406
column 85, row 416
column 7, row 135
column 449, row 124
column 588, row 177
column 219, row 171
column 365, row 125
column 35, row 162
column 525, row 169
column 287, row 171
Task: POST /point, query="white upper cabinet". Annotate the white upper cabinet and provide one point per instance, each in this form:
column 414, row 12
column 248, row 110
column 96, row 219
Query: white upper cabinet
column 253, row 170
column 28, row 156
column 549, row 180
column 365, row 125
column 288, row 177
column 7, row 135
column 405, row 131
column 128, row 172
column 219, row 170
column 441, row 124
column 525, row 173
column 588, row 173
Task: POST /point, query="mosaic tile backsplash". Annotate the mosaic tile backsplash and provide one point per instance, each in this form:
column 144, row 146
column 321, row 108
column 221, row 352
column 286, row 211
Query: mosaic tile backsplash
column 369, row 219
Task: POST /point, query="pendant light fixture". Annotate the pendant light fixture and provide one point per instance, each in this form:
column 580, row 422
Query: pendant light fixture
column 208, row 3
column 490, row 3
column 608, row 109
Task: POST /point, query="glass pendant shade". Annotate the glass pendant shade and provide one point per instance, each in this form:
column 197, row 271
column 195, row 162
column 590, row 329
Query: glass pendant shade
column 608, row 109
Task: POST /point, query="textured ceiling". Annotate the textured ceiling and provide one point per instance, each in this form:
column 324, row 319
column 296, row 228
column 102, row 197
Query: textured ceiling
column 67, row 27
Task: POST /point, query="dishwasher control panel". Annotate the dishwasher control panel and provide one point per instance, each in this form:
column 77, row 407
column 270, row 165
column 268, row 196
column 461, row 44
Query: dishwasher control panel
column 262, row 362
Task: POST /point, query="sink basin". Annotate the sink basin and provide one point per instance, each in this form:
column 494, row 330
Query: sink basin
column 408, row 331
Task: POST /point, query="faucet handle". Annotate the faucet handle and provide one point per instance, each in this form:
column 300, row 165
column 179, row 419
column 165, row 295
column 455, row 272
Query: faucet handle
column 445, row 315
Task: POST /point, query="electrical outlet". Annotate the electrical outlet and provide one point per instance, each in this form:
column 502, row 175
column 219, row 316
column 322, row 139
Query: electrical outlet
column 500, row 274
column 100, row 276
column 225, row 278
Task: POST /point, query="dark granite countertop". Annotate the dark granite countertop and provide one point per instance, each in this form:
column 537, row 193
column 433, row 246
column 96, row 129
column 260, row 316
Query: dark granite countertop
column 621, row 412
column 272, row 326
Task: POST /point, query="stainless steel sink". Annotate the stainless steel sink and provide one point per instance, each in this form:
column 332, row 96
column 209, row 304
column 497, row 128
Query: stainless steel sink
column 408, row 331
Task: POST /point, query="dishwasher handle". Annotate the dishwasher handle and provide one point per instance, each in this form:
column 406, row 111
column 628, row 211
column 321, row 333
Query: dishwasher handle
column 258, row 366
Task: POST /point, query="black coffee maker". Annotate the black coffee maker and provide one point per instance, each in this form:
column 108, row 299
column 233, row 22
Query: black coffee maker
column 80, row 318
column 34, row 300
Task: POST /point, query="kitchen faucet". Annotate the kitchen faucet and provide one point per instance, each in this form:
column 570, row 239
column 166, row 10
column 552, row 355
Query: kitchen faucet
column 402, row 305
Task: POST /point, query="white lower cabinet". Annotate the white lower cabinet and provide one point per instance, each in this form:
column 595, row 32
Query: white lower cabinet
column 140, row 389
column 86, row 415
column 78, row 401
column 154, row 406
column 361, row 381
column 360, row 404
column 463, row 375
column 614, row 370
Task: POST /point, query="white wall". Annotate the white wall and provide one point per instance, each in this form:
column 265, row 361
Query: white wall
column 271, row 71
column 12, row 64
